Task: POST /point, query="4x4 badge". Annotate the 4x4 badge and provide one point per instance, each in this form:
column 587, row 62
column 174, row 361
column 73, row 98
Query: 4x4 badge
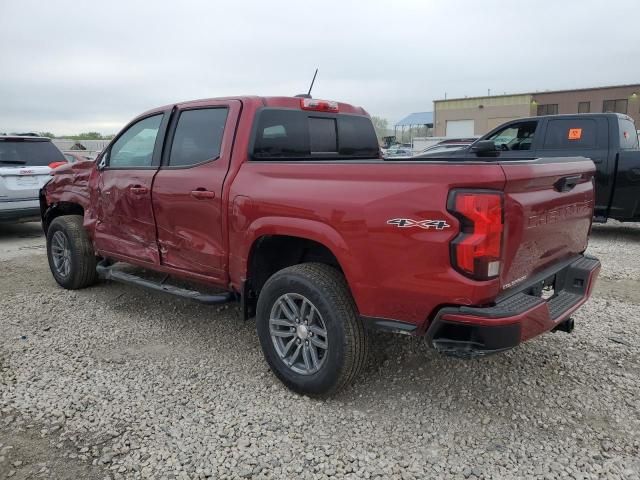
column 426, row 224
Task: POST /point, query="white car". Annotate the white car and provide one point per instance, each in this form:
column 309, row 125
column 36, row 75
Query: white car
column 397, row 151
column 26, row 163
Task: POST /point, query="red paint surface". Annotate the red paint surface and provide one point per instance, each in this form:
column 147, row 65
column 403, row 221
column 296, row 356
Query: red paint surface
column 190, row 209
column 124, row 214
column 396, row 273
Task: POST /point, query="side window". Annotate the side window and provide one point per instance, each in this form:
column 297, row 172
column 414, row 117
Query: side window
column 198, row 136
column 517, row 136
column 570, row 133
column 628, row 134
column 134, row 148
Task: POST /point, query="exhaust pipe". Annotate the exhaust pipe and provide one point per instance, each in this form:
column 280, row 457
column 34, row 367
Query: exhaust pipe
column 566, row 326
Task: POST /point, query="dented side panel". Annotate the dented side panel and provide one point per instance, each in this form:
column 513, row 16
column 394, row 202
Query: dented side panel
column 72, row 184
column 125, row 222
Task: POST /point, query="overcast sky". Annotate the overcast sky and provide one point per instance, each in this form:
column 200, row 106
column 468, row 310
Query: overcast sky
column 72, row 66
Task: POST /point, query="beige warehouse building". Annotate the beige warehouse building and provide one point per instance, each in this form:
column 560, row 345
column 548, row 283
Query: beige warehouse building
column 463, row 117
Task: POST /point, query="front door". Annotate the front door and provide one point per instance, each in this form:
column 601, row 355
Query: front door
column 125, row 224
column 188, row 189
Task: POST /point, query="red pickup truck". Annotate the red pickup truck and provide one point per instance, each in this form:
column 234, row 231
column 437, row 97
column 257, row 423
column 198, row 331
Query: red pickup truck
column 286, row 206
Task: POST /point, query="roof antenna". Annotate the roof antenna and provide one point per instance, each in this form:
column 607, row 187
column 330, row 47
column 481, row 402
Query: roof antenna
column 308, row 94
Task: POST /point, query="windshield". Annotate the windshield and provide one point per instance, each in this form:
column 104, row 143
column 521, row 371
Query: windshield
column 30, row 153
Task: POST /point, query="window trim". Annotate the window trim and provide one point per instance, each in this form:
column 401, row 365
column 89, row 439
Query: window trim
column 157, row 147
column 313, row 158
column 588, row 103
column 547, row 105
column 616, row 100
column 171, row 131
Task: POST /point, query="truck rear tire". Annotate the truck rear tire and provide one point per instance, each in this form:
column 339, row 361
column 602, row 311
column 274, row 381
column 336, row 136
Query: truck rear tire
column 71, row 257
column 309, row 328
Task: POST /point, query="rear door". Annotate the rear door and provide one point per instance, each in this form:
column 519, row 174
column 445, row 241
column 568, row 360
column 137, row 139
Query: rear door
column 584, row 136
column 125, row 224
column 547, row 214
column 24, row 169
column 188, row 189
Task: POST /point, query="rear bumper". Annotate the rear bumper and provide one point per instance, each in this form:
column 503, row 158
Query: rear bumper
column 20, row 214
column 474, row 331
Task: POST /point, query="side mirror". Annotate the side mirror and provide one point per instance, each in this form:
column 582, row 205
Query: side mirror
column 484, row 148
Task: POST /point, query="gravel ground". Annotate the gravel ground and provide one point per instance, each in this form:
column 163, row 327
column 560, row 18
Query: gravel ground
column 116, row 382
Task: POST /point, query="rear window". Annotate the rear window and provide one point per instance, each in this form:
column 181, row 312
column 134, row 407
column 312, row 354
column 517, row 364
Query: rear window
column 29, row 153
column 628, row 134
column 570, row 133
column 295, row 134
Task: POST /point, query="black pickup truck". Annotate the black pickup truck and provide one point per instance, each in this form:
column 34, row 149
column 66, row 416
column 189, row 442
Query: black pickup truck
column 609, row 139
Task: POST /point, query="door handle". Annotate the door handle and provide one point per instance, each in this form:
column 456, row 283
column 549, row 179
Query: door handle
column 202, row 194
column 138, row 190
column 567, row 183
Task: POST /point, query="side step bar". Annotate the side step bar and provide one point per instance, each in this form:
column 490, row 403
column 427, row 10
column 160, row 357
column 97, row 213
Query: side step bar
column 108, row 272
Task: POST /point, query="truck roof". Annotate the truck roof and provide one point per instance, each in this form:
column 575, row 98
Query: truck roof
column 278, row 102
column 581, row 115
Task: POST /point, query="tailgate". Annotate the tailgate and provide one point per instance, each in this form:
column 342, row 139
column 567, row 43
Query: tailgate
column 547, row 217
column 22, row 183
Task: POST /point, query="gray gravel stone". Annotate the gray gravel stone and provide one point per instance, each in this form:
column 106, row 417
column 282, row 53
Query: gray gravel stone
column 148, row 386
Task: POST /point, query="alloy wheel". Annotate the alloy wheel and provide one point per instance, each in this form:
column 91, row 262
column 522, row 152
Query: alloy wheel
column 61, row 254
column 298, row 333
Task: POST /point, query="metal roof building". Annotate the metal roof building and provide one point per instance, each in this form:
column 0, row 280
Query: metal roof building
column 414, row 122
column 417, row 118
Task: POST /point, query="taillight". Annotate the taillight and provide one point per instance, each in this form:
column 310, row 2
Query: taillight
column 53, row 165
column 318, row 105
column 477, row 251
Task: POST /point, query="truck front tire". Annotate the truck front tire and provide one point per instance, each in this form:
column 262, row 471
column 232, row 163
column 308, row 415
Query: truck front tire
column 309, row 329
column 70, row 253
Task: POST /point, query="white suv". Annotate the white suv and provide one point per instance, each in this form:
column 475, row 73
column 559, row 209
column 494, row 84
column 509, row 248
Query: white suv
column 25, row 166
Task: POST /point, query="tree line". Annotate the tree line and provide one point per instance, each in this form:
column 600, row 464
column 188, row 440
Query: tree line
column 79, row 136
